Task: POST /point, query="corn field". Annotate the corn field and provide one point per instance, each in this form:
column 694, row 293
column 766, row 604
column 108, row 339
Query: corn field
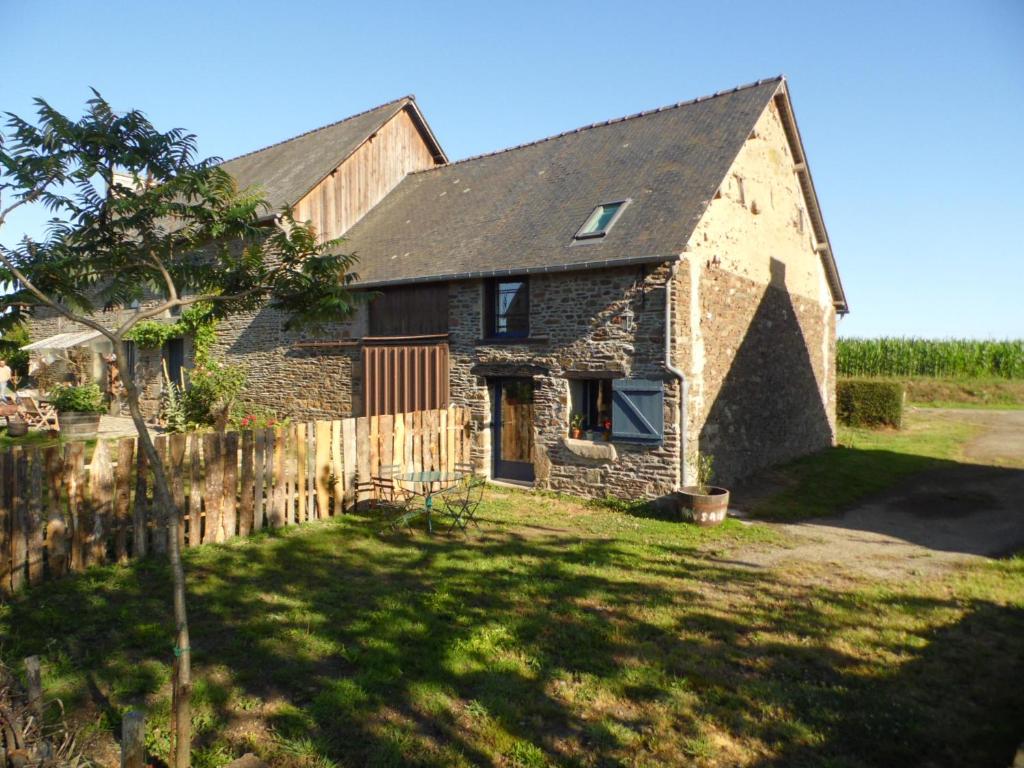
column 952, row 358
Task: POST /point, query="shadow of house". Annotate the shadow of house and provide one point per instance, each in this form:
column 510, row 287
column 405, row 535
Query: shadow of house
column 769, row 407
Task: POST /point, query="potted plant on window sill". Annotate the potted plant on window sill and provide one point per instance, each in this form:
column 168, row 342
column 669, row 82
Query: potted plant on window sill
column 79, row 410
column 703, row 503
column 576, row 426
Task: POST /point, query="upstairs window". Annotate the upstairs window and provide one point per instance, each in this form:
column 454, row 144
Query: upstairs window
column 507, row 308
column 601, row 220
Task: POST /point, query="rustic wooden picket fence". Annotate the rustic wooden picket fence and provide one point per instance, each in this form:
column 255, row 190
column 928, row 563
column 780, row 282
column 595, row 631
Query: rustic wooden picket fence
column 58, row 514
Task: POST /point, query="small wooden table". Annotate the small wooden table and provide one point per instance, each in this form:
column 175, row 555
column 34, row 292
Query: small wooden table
column 430, row 483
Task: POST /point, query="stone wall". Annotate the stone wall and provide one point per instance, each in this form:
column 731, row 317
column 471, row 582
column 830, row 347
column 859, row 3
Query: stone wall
column 575, row 328
column 299, row 375
column 83, row 364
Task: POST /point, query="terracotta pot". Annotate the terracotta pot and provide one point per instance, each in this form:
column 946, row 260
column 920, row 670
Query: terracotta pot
column 575, row 433
column 78, row 426
column 703, row 508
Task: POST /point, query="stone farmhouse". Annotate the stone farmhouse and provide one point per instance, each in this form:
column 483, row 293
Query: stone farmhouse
column 663, row 282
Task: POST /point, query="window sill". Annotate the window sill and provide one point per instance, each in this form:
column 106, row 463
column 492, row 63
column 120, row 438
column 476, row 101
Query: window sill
column 597, row 450
column 494, row 340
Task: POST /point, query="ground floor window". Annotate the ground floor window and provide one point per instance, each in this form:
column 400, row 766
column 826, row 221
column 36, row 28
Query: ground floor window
column 591, row 405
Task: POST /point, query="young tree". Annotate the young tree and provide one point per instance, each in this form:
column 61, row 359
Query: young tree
column 178, row 233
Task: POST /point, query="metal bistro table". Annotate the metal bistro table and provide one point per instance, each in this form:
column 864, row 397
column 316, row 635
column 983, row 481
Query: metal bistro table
column 430, row 483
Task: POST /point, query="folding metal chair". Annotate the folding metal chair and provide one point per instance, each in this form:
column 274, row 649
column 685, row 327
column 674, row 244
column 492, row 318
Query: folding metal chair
column 462, row 501
column 389, row 495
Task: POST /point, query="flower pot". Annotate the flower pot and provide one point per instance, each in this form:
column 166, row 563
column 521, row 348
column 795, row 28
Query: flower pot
column 703, row 508
column 75, row 425
column 17, row 427
column 575, row 433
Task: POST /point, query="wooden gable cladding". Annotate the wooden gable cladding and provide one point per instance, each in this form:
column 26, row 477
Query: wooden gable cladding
column 366, row 176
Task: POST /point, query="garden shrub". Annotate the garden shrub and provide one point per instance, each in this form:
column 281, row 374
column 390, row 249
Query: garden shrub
column 84, row 399
column 864, row 403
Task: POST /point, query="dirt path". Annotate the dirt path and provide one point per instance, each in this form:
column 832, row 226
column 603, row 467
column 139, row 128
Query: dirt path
column 929, row 522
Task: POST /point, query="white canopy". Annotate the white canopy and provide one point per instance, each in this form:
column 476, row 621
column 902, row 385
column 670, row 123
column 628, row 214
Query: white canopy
column 68, row 340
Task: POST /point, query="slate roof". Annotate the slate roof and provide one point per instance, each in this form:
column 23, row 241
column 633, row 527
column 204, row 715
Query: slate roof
column 286, row 171
column 517, row 210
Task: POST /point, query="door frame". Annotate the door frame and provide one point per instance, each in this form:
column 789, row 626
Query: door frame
column 515, row 471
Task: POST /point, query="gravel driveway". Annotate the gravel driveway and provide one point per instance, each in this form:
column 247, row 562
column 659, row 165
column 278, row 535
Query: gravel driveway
column 931, row 520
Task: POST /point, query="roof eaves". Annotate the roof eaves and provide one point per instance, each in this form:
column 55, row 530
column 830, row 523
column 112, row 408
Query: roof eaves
column 545, row 269
column 785, row 106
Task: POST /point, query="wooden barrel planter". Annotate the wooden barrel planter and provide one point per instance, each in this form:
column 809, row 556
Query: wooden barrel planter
column 703, row 508
column 16, row 427
column 75, row 425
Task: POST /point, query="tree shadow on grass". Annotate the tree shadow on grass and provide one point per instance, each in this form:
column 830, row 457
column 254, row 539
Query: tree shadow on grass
column 508, row 650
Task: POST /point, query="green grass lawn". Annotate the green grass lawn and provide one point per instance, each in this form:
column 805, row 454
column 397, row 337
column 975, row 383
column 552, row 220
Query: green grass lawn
column 863, row 462
column 563, row 634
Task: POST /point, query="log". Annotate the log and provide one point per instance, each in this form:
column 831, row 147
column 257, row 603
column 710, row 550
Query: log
column 34, row 527
column 195, row 490
column 123, row 496
column 74, row 481
column 101, row 496
column 229, row 505
column 133, row 740
column 213, row 455
column 247, row 494
column 34, row 685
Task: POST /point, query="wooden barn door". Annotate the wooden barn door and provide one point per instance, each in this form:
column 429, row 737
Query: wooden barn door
column 405, row 377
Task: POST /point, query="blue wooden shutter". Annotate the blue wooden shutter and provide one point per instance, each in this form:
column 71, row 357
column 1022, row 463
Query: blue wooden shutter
column 638, row 414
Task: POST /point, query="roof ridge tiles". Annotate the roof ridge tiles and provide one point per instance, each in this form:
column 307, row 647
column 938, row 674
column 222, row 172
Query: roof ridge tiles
column 407, row 97
column 603, row 123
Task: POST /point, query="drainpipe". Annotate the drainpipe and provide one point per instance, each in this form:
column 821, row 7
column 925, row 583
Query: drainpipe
column 684, row 387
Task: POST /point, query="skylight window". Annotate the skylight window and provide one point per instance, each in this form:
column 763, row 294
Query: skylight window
column 601, row 220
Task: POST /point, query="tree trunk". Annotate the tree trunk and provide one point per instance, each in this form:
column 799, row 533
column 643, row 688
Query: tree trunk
column 182, row 684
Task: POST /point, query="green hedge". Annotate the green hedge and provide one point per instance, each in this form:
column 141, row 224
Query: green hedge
column 862, row 403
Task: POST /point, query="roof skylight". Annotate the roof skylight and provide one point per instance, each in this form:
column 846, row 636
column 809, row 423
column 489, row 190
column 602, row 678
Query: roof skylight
column 601, row 220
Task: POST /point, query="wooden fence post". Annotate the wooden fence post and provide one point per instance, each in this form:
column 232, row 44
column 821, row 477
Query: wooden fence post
column 214, row 468
column 157, row 516
column 176, row 463
column 195, row 491
column 337, row 468
column 34, row 685
column 140, row 538
column 323, row 468
column 245, row 499
column 34, row 517
column 260, row 466
column 229, row 503
column 348, row 439
column 19, row 547
column 6, row 488
column 276, row 516
column 123, row 496
column 101, row 492
column 133, row 740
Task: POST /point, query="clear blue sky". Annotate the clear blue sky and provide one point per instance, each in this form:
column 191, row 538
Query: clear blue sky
column 912, row 112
